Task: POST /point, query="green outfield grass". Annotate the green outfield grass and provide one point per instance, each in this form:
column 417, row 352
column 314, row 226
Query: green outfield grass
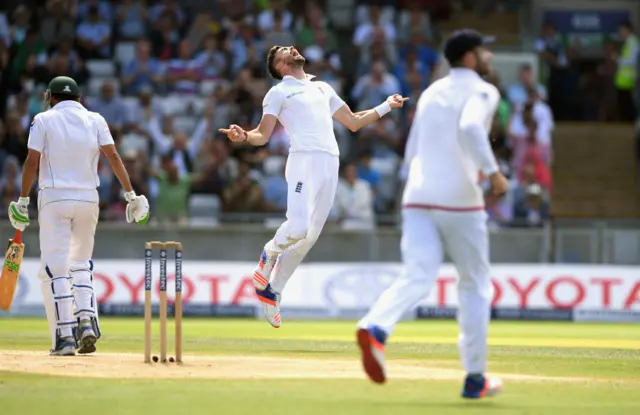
column 577, row 369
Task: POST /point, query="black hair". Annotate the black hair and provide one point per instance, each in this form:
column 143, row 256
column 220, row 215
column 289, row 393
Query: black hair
column 64, row 97
column 627, row 25
column 271, row 64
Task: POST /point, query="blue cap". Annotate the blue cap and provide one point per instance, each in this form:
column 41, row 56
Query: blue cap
column 463, row 41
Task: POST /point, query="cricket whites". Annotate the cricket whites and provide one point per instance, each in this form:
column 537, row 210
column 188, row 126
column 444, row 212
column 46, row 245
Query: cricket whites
column 11, row 271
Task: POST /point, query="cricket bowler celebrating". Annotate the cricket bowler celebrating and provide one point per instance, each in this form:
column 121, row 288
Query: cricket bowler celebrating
column 65, row 143
column 305, row 108
column 443, row 210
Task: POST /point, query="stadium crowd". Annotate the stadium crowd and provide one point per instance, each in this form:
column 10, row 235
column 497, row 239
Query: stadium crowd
column 166, row 77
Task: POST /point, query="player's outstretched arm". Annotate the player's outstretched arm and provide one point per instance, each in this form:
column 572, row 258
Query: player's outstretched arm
column 358, row 120
column 256, row 137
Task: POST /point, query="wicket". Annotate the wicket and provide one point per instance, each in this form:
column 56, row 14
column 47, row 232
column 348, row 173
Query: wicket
column 148, row 257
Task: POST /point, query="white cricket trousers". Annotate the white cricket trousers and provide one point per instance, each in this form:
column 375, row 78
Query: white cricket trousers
column 67, row 230
column 426, row 234
column 312, row 179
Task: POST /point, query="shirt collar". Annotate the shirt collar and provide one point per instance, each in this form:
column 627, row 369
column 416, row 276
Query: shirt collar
column 65, row 104
column 289, row 78
column 464, row 73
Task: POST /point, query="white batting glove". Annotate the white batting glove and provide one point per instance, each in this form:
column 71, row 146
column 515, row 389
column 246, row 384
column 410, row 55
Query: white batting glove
column 137, row 208
column 19, row 213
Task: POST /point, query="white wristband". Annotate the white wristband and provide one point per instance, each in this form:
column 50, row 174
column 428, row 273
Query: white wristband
column 383, row 109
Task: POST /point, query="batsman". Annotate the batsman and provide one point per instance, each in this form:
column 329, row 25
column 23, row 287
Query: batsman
column 64, row 143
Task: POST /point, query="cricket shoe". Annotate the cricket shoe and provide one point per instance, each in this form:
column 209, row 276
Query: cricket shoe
column 270, row 300
column 262, row 272
column 86, row 337
column 371, row 341
column 479, row 386
column 65, row 346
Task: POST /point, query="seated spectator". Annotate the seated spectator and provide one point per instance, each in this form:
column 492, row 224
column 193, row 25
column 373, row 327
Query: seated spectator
column 353, row 206
column 279, row 34
column 15, row 139
column 21, row 24
column 5, row 31
column 533, row 210
column 227, row 166
column 210, row 180
column 11, row 174
column 61, row 66
column 21, row 108
column 411, row 66
column 274, row 188
column 518, row 93
column 142, row 72
column 535, row 168
column 267, row 18
column 168, row 8
column 65, row 47
column 183, row 73
column 104, row 7
column 109, row 106
column 58, row 25
column 414, row 20
column 504, row 106
column 366, row 172
column 94, row 36
column 138, row 118
column 367, row 30
column 315, row 24
column 212, row 61
column 246, row 46
column 29, row 54
column 381, row 138
column 165, row 37
column 132, row 20
column 375, row 87
column 520, row 126
column 243, row 195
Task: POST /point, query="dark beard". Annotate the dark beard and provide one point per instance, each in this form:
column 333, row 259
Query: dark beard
column 299, row 60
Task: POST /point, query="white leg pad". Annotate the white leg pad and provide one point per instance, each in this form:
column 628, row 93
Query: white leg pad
column 82, row 277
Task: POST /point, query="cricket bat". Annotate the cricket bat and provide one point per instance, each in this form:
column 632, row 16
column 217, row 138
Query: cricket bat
column 11, row 271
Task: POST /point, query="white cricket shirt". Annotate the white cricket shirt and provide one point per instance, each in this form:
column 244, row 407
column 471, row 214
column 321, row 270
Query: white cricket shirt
column 69, row 138
column 305, row 109
column 448, row 144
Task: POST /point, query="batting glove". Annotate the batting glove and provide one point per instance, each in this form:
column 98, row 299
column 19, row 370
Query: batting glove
column 137, row 208
column 19, row 213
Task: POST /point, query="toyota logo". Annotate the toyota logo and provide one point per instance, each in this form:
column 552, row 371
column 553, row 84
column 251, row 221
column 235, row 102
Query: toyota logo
column 358, row 287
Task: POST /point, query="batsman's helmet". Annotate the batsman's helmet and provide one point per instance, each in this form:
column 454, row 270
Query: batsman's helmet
column 63, row 85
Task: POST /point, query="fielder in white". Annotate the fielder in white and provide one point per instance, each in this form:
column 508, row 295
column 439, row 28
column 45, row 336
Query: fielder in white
column 305, row 109
column 443, row 210
column 64, row 144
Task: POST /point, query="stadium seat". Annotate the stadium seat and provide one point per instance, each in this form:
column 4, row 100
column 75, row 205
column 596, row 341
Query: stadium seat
column 273, row 165
column 207, row 88
column 101, row 68
column 176, row 104
column 204, row 206
column 125, row 52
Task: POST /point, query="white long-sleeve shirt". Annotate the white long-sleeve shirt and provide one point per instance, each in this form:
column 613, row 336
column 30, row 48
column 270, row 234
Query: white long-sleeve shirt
column 448, row 143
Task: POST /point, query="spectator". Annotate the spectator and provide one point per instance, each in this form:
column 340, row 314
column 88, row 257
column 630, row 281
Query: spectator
column 168, row 8
column 353, row 206
column 375, row 87
column 244, row 194
column 134, row 162
column 267, row 18
column 182, row 150
column 315, row 24
column 504, row 107
column 109, row 106
column 414, row 21
column 11, row 174
column 534, row 165
column 173, row 193
column 212, row 61
column 381, row 137
column 142, row 72
column 183, row 73
column 94, row 36
column 29, row 56
column 370, row 29
column 533, row 209
column 132, row 20
column 15, row 140
column 279, row 34
column 227, row 166
column 625, row 79
column 274, row 189
column 65, row 47
column 104, row 8
column 211, row 181
column 245, row 46
column 518, row 93
column 410, row 67
column 5, row 31
column 165, row 37
column 366, row 172
column 58, row 25
column 21, row 24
